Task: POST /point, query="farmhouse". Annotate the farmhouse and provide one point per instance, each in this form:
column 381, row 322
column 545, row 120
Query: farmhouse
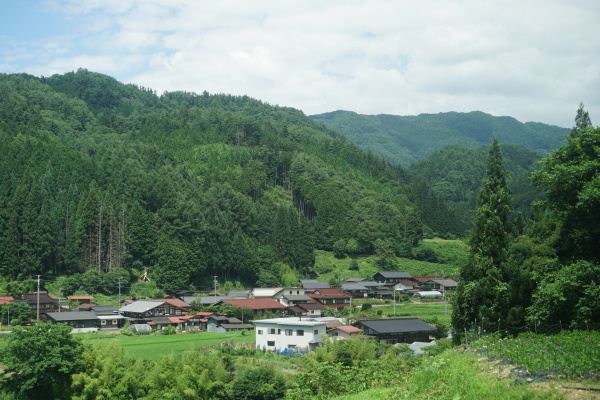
column 222, row 324
column 83, row 320
column 256, row 304
column 147, row 309
column 331, row 297
column 289, row 333
column 344, row 332
column 391, row 277
column 397, row 330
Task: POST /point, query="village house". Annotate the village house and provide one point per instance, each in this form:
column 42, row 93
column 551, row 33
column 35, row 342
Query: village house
column 47, row 303
column 390, row 278
column 442, row 284
column 256, row 305
column 222, row 324
column 397, row 330
column 331, row 297
column 311, row 310
column 289, row 333
column 344, row 332
column 81, row 321
column 291, row 296
column 145, row 310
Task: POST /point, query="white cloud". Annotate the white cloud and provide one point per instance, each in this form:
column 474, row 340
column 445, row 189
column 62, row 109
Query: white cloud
column 532, row 60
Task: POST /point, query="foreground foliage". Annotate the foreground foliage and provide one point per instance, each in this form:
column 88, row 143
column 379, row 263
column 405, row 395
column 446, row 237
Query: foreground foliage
column 568, row 354
column 39, row 361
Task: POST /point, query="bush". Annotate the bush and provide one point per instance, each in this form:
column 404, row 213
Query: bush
column 169, row 330
column 366, row 307
column 259, row 384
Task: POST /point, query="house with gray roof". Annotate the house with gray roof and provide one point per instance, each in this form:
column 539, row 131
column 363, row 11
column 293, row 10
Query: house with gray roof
column 397, row 330
column 391, row 277
column 83, row 320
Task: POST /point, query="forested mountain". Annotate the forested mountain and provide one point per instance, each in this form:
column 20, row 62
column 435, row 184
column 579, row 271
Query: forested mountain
column 406, row 139
column 456, row 174
column 100, row 176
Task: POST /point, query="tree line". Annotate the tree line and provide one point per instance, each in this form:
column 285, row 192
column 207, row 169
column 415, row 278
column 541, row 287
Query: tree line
column 544, row 271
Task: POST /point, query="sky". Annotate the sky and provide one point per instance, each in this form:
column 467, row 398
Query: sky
column 534, row 60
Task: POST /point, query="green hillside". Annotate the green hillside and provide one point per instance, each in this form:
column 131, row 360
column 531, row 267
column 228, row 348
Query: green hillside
column 106, row 180
column 406, row 139
column 456, row 174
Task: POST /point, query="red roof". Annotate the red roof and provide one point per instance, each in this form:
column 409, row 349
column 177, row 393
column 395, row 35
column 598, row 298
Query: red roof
column 205, row 313
column 176, row 303
column 256, row 304
column 6, row 299
column 176, row 320
column 349, row 329
column 80, row 297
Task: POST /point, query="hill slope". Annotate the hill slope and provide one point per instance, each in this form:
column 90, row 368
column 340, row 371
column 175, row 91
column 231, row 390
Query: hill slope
column 97, row 176
column 406, row 139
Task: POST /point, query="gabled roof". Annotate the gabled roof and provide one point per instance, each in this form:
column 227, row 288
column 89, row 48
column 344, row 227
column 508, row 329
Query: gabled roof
column 255, row 304
column 394, row 274
column 397, row 325
column 238, row 294
column 349, row 329
column 103, row 309
column 32, row 298
column 72, row 316
column 408, row 283
column 6, row 299
column 445, row 282
column 353, row 286
column 315, row 285
column 141, row 306
column 209, row 300
column 176, row 303
column 265, row 292
column 80, row 297
column 296, row 297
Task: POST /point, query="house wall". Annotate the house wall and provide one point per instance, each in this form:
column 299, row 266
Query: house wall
column 273, row 335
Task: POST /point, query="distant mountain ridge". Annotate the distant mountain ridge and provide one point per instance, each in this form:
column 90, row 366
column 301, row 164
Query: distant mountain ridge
column 407, row 139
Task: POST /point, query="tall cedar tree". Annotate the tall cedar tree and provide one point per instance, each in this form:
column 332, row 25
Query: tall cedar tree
column 483, row 297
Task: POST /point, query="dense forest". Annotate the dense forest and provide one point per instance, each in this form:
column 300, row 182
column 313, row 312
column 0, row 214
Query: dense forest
column 108, row 179
column 455, row 173
column 407, row 139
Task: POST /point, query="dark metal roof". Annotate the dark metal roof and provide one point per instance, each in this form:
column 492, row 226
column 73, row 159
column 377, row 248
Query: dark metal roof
column 397, row 325
column 394, row 274
column 71, row 316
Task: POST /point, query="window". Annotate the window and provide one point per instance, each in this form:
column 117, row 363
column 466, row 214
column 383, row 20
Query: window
column 291, row 346
column 103, row 322
column 300, row 332
column 316, row 332
column 288, row 332
column 271, row 343
column 114, row 322
column 260, row 331
column 272, row 331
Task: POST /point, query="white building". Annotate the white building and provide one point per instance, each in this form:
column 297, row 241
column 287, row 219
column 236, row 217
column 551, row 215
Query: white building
column 291, row 333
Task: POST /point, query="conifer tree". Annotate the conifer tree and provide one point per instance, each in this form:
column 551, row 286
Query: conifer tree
column 483, row 296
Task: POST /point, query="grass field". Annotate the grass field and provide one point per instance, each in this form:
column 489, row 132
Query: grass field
column 450, row 255
column 153, row 347
column 441, row 311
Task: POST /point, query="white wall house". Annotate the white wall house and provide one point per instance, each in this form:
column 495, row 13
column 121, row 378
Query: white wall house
column 291, row 333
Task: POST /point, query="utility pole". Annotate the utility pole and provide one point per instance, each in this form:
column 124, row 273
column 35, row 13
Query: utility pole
column 59, row 296
column 215, row 282
column 38, row 298
column 120, row 291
